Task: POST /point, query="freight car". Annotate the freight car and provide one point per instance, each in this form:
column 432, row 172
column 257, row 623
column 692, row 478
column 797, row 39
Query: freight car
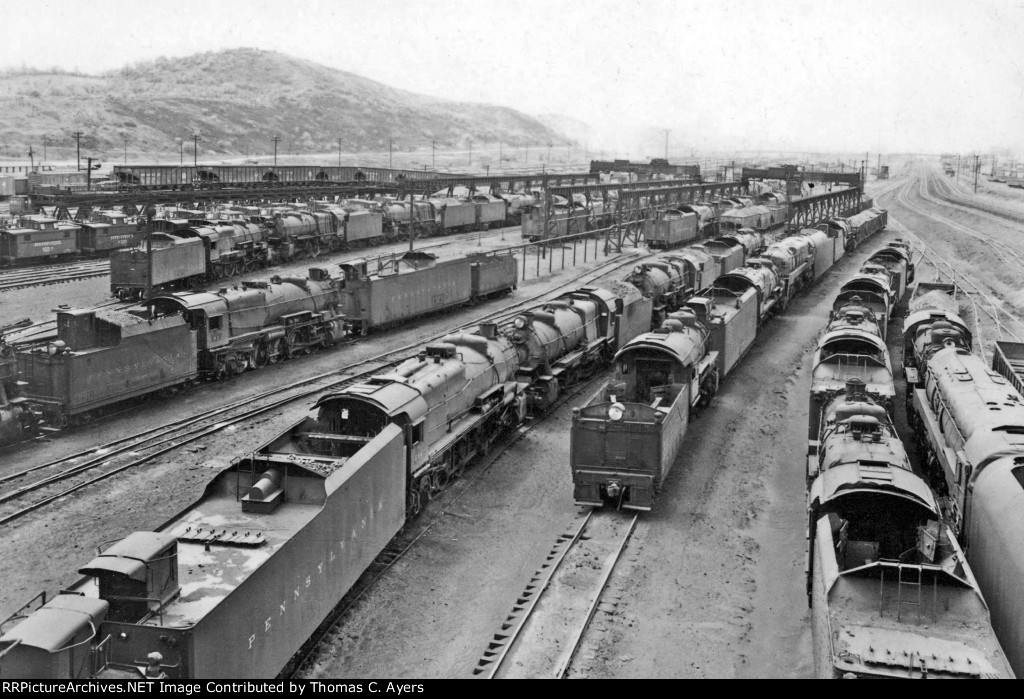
column 265, row 534
column 186, row 177
column 890, row 593
column 968, row 420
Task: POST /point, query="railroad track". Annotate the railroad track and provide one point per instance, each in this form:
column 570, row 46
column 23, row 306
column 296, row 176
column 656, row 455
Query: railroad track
column 53, row 274
column 953, row 195
column 57, row 479
column 1011, row 252
column 982, row 301
column 548, row 621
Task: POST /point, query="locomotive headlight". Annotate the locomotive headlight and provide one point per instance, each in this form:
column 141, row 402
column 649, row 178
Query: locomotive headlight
column 616, row 411
column 519, row 323
column 637, row 270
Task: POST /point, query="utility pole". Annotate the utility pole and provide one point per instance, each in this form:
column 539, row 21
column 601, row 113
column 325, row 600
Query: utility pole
column 125, row 136
column 195, row 149
column 45, row 139
column 667, row 132
column 977, row 166
column 31, row 159
column 432, row 165
column 78, row 147
column 275, row 140
column 181, row 151
column 339, row 152
column 471, row 151
column 391, row 143
column 958, row 167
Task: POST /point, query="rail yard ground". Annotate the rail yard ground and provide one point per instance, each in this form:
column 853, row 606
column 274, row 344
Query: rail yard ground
column 711, row 584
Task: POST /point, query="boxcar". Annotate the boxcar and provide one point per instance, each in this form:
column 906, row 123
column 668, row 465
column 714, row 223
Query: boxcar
column 103, row 356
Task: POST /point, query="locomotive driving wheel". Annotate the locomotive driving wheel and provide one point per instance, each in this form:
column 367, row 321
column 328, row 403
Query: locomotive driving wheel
column 277, row 352
column 260, row 355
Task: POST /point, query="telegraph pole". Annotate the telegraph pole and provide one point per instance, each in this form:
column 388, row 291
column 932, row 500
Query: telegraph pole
column 45, row 139
column 31, row 159
column 432, row 165
column 391, row 143
column 471, row 151
column 339, row 152
column 78, row 147
column 125, row 136
column 958, row 168
column 275, row 139
column 195, row 149
column 667, row 132
column 977, row 166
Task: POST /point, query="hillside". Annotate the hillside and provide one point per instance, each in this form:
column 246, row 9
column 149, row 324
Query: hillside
column 238, row 100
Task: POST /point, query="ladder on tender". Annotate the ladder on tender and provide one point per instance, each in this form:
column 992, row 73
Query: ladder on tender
column 909, row 588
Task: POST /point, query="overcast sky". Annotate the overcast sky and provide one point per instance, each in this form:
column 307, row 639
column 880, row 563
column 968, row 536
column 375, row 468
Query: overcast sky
column 851, row 75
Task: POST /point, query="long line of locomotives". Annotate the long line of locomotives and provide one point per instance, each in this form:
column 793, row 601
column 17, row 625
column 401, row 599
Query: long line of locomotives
column 625, row 441
column 890, row 590
column 104, row 356
column 265, row 534
column 968, row 420
column 233, row 239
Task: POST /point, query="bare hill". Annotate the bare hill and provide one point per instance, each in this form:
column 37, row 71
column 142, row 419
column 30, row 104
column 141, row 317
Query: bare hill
column 238, row 100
